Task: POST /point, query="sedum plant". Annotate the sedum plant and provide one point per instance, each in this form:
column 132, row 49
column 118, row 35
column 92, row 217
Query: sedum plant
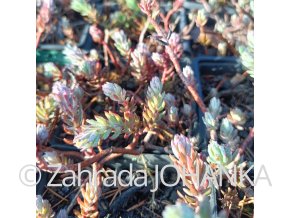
column 188, row 74
column 214, row 107
column 142, row 63
column 45, row 110
column 90, row 193
column 100, row 129
column 69, row 101
column 143, row 113
column 210, row 118
column 51, row 71
column 113, row 125
column 155, row 103
column 237, row 117
column 114, row 92
column 43, row 208
column 187, row 160
column 122, row 43
column 180, row 210
column 41, row 134
column 81, row 65
column 85, row 9
column 177, row 211
column 219, row 154
column 228, row 133
column 209, row 121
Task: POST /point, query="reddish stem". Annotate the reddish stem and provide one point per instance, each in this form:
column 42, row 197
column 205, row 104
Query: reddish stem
column 191, row 88
column 111, row 55
column 112, row 152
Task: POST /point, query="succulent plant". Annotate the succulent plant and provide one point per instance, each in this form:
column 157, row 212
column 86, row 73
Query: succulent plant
column 100, row 129
column 82, row 66
column 114, row 92
column 69, row 102
column 219, row 154
column 181, row 146
column 201, row 18
column 237, row 117
column 122, row 43
column 45, row 110
column 227, row 132
column 173, row 114
column 51, row 71
column 188, row 74
column 180, row 210
column 141, row 62
column 158, row 60
column 188, row 161
column 89, row 204
column 215, row 107
column 177, row 211
column 155, row 103
column 175, row 43
column 41, row 134
column 43, row 208
column 209, row 121
column 85, row 9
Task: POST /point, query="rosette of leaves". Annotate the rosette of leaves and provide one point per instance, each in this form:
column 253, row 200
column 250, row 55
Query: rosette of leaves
column 121, row 42
column 142, row 63
column 114, row 92
column 155, row 103
column 41, row 134
column 50, row 70
column 90, row 192
column 215, row 107
column 69, row 102
column 188, row 161
column 176, row 45
column 219, row 154
column 43, row 208
column 237, row 117
column 77, row 59
column 45, row 110
column 210, row 118
column 85, row 9
column 209, row 121
column 228, row 133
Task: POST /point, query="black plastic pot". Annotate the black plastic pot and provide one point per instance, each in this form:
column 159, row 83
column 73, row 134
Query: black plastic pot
column 212, row 65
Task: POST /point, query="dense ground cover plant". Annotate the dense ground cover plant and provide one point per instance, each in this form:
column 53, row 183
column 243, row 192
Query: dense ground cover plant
column 133, row 94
